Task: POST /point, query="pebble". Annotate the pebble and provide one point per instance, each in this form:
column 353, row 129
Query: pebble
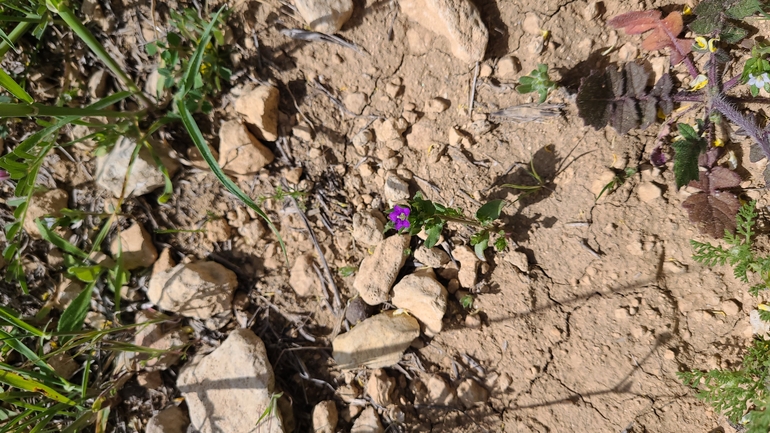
column 436, row 105
column 518, row 259
column 293, row 175
column 378, row 271
column 469, row 264
column 259, row 107
column 200, row 289
column 97, row 84
column 252, row 232
column 44, row 203
column 431, row 257
column 485, row 71
column 239, row 151
column 507, row 67
column 325, row 417
column 731, row 307
column 471, row 393
column 395, row 189
column 218, row 230
column 440, row 392
column 648, row 192
column 325, row 16
column 669, row 354
column 228, row 383
column 368, row 422
column 473, row 321
column 377, row 342
column 356, row 102
column 111, row 169
column 423, row 297
column 170, row 420
column 531, row 24
column 621, row 313
column 381, row 387
column 368, row 227
column 159, row 336
column 303, row 279
column 457, row 20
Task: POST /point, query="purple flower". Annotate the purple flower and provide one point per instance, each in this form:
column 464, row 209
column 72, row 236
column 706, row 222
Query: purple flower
column 4, row 175
column 400, row 216
column 657, row 157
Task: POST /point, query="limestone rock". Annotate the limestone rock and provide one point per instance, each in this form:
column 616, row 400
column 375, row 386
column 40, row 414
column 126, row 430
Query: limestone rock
column 507, row 67
column 145, row 175
column 136, row 247
column 228, row 389
column 368, row 422
column 380, row 387
column 200, row 289
column 325, row 16
column 432, row 257
column 49, row 202
column 163, row 263
column 471, row 393
column 239, row 151
column 303, row 278
column 436, row 105
column 356, row 102
column 260, row 108
column 425, row 298
column 252, row 232
column 160, row 336
column 378, row 272
column 457, row 20
column 648, row 192
column 378, row 341
column 170, row 420
column 469, row 264
column 441, row 392
column 325, row 417
column 396, row 189
column 367, row 228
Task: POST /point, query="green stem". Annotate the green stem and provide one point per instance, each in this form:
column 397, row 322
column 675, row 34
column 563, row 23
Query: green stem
column 88, row 38
column 24, row 110
column 15, row 34
column 461, row 221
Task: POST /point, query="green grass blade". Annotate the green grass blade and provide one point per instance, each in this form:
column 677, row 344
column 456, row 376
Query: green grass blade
column 200, row 143
column 17, row 381
column 194, row 66
column 73, row 317
column 15, row 343
column 23, row 110
column 12, row 86
column 58, row 241
column 14, row 36
column 12, row 318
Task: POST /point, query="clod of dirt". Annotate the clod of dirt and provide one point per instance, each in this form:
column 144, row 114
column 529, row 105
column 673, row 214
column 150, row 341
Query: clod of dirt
column 259, row 107
column 145, row 175
column 472, row 393
column 378, row 272
column 356, row 311
column 218, row 230
column 239, row 151
column 159, row 336
column 135, row 247
column 396, row 189
column 440, row 392
column 223, row 388
column 303, row 278
column 325, row 16
column 367, row 228
column 325, row 417
column 50, row 202
column 648, row 192
column 457, row 20
column 199, row 289
column 469, row 265
column 63, row 365
column 356, row 102
column 507, row 67
column 170, row 420
column 731, row 307
column 436, row 105
column 149, row 379
column 368, row 422
column 423, row 297
column 376, row 342
column 431, row 257
column 517, row 259
column 380, row 387
column 252, row 232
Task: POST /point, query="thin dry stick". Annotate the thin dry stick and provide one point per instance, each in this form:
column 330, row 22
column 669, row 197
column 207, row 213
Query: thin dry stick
column 321, row 257
column 473, row 90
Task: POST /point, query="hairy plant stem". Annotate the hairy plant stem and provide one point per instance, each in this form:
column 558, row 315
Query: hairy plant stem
column 719, row 103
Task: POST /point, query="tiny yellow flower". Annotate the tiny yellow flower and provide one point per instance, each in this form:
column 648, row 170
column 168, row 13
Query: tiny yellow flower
column 763, row 307
column 719, row 143
column 545, row 33
column 698, row 83
column 686, row 10
column 713, row 45
column 701, row 43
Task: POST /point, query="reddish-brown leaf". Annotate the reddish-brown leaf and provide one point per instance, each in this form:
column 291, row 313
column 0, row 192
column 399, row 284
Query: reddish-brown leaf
column 663, row 32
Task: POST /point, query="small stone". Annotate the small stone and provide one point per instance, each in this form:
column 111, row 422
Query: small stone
column 473, row 321
column 441, row 392
column 218, row 230
column 396, row 189
column 365, row 170
column 388, row 129
column 357, row 311
column 325, row 16
column 425, row 298
column 378, row 272
column 591, row 11
column 259, row 107
column 135, row 247
column 453, row 286
column 471, row 393
column 380, row 387
column 293, row 175
column 44, row 203
column 394, row 89
column 164, row 336
column 621, row 313
column 97, row 84
column 63, row 364
column 325, row 417
column 648, row 192
column 504, row 382
column 96, row 320
column 673, row 268
column 303, row 131
column 149, row 379
column 457, row 20
column 601, row 181
column 231, row 385
column 377, row 342
column 356, row 102
column 367, row 228
column 348, row 393
column 368, row 422
column 199, row 289
column 145, row 175
column 431, row 257
column 518, row 259
column 303, row 278
column 436, row 105
column 731, row 307
column 469, row 264
column 169, row 420
column 628, row 52
column 669, row 354
column 252, row 232
column 531, row 24
column 507, row 67
column 485, row 71
column 239, row 151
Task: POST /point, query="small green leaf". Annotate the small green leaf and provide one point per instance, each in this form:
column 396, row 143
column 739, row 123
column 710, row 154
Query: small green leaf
column 686, row 157
column 347, row 271
column 86, row 274
column 490, row 211
column 73, row 317
column 58, row 241
column 480, row 247
column 434, row 232
column 14, row 88
column 524, row 88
